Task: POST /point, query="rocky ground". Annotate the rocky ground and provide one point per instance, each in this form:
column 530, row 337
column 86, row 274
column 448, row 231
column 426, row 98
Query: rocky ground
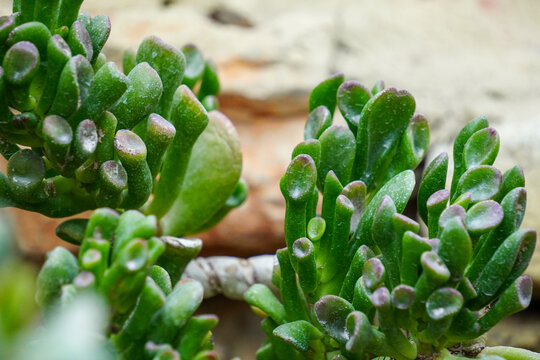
column 460, row 59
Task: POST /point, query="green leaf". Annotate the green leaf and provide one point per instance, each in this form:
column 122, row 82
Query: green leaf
column 108, row 86
column 79, row 41
column 73, row 86
column 190, row 120
column 34, row 32
column 499, row 267
column 318, row 121
column 60, row 268
column 194, row 335
column 58, row 54
column 326, row 93
column 459, row 146
column 261, row 296
column 169, row 63
column 178, row 253
column 482, row 181
column 513, row 205
column 21, row 63
column 483, row 217
column 331, row 312
column 412, row 147
column 444, row 303
column 383, row 121
column 140, row 98
column 175, row 313
column 337, row 154
column 210, row 81
column 516, row 298
column 131, row 151
column 99, row 31
column 481, row 148
column 455, row 248
column 512, row 178
column 72, row 230
column 351, row 98
column 212, row 174
column 303, row 252
column 399, row 188
column 25, row 173
column 68, row 12
column 360, row 332
column 298, row 333
column 194, row 65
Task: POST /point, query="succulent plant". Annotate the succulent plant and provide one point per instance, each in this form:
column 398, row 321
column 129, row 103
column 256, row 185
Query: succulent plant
column 93, row 136
column 359, row 278
column 137, row 273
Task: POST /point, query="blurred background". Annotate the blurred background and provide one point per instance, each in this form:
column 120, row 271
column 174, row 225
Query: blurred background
column 460, row 59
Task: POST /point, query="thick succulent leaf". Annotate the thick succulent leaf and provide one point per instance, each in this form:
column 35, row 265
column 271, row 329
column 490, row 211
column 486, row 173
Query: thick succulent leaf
column 108, row 86
column 326, row 93
column 499, row 267
column 331, row 312
column 513, row 205
column 99, row 31
column 72, row 230
column 194, row 65
column 212, row 174
column 482, row 181
column 73, row 86
column 34, row 32
column 515, row 298
column 60, row 268
column 384, row 236
column 481, row 148
column 169, row 63
column 298, row 333
column 512, row 178
column 68, row 12
column 79, row 41
column 175, row 313
column 58, row 54
column 383, row 121
column 399, row 188
column 351, row 98
column 25, row 172
column 210, row 85
column 459, row 145
column 455, row 248
column 355, row 191
column 444, row 303
column 412, row 147
column 303, row 253
column 140, row 98
column 483, row 217
column 190, row 119
column 261, row 296
column 299, row 179
column 337, row 154
column 360, row 332
column 21, row 63
column 318, row 121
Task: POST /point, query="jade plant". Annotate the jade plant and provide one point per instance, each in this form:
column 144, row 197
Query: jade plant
column 360, row 279
column 138, row 275
column 80, row 134
column 146, row 149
